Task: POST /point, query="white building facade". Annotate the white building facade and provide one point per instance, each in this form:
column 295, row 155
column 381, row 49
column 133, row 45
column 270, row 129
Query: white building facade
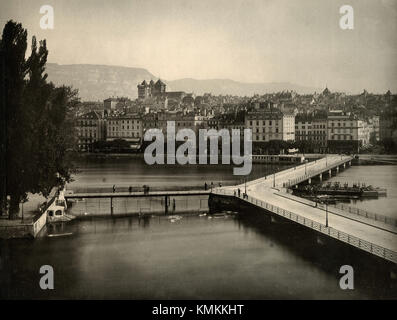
column 271, row 125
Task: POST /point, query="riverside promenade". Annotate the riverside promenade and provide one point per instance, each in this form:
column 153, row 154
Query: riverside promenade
column 271, row 193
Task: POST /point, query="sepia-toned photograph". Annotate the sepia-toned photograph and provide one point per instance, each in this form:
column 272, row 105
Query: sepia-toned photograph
column 180, row 150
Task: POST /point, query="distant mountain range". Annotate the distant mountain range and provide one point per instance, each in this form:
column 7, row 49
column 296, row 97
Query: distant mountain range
column 98, row 82
column 227, row 86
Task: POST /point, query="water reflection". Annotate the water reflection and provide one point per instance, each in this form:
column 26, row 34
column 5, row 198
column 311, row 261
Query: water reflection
column 196, row 257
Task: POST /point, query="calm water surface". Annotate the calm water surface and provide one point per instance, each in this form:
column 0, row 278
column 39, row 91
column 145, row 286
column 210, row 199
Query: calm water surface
column 193, row 258
column 124, row 172
column 196, row 257
column 377, row 176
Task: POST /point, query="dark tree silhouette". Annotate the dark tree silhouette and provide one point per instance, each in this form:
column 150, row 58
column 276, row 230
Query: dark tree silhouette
column 39, row 127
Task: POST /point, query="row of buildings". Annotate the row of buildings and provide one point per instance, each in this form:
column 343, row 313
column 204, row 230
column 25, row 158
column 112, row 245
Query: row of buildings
column 324, row 122
column 334, row 131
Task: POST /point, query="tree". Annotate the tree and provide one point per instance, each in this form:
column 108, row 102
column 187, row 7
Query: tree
column 304, row 146
column 389, row 145
column 40, row 132
column 3, row 135
column 13, row 45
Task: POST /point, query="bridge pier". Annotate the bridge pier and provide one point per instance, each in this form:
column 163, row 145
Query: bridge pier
column 111, row 206
column 166, row 199
column 318, row 177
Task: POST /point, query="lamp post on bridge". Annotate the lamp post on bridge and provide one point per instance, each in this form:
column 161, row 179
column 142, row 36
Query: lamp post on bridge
column 274, row 180
column 318, row 200
column 326, row 214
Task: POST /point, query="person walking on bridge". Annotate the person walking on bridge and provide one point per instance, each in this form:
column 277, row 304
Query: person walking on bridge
column 114, row 188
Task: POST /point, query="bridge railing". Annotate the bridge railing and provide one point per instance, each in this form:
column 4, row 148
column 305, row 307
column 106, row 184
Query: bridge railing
column 366, row 214
column 340, row 235
column 325, row 162
column 344, row 210
column 312, row 173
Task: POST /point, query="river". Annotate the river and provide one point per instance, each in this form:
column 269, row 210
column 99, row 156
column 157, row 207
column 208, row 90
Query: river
column 195, row 257
column 124, row 172
column 384, row 176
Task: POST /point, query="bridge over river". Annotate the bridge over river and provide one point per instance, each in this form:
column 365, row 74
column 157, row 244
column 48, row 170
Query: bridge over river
column 372, row 233
column 271, row 193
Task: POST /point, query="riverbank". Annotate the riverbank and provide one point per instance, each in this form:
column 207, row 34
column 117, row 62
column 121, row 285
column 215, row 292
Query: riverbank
column 31, row 220
column 103, row 155
column 27, row 228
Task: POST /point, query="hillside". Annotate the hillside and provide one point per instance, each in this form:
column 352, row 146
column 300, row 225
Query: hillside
column 98, row 82
column 226, row 86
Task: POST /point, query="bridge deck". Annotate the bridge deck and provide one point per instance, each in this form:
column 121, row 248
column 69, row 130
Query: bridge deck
column 367, row 237
column 136, row 194
column 302, row 172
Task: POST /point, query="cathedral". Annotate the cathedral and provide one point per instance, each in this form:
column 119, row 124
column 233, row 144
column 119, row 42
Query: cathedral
column 151, row 89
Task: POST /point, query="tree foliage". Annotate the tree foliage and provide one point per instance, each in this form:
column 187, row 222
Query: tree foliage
column 389, row 145
column 39, row 121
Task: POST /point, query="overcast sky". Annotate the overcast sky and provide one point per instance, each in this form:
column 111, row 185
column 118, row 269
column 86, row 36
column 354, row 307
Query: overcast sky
column 249, row 41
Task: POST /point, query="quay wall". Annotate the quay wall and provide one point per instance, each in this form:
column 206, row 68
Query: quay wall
column 30, row 228
column 24, row 230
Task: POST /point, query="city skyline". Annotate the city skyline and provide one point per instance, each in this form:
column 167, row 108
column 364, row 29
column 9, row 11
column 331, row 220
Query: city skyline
column 272, row 41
